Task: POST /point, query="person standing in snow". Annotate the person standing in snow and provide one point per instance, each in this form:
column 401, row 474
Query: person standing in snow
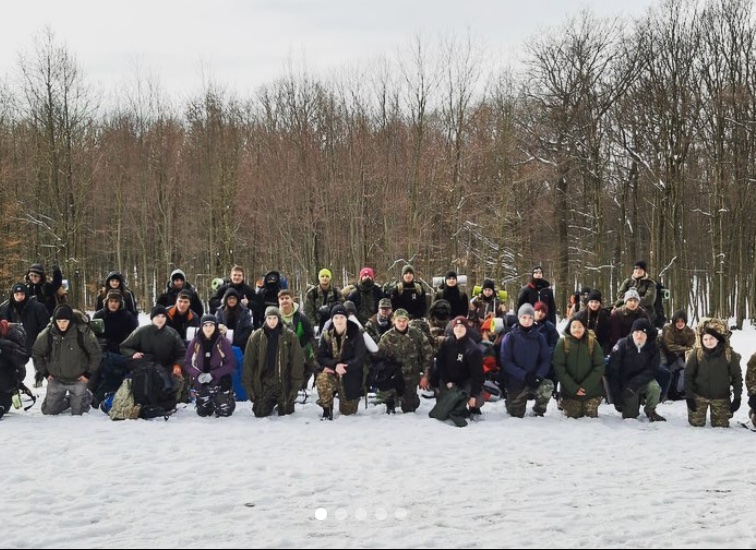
column 538, row 289
column 176, row 284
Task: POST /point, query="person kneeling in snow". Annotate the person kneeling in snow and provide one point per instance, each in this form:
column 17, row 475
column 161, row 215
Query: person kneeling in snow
column 210, row 361
column 579, row 366
column 710, row 371
column 632, row 368
column 459, row 376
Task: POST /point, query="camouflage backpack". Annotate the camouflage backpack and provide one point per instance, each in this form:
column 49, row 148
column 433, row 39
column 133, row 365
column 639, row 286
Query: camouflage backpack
column 591, row 343
column 123, row 406
column 718, row 325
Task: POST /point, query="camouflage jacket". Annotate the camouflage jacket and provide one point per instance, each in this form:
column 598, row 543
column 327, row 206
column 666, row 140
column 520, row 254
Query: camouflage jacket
column 751, row 376
column 646, row 288
column 376, row 330
column 677, row 342
column 412, row 350
column 317, row 306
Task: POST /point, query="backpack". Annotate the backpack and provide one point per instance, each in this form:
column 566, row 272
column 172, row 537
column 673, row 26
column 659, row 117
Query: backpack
column 121, row 406
column 591, row 343
column 83, row 325
column 154, row 390
column 720, row 326
column 662, row 293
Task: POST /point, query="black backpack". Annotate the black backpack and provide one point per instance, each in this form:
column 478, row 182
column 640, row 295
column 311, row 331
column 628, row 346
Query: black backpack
column 154, row 390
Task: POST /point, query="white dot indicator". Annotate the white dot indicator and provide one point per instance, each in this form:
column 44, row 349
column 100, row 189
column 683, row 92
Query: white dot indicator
column 360, row 514
column 321, row 514
column 381, row 514
column 400, row 513
column 341, row 514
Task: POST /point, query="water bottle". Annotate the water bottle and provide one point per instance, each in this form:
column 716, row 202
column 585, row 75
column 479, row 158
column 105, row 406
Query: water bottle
column 16, row 400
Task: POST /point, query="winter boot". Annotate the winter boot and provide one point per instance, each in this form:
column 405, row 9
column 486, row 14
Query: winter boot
column 327, row 413
column 390, row 406
column 2, row 411
column 475, row 411
column 654, row 416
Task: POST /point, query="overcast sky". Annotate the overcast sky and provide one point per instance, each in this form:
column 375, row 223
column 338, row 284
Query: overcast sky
column 242, row 44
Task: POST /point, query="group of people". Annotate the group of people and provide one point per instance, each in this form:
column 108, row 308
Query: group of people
column 397, row 339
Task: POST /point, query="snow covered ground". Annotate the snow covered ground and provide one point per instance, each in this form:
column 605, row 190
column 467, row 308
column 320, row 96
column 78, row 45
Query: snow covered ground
column 377, row 481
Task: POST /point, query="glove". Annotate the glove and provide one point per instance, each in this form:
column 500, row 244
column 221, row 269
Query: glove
column 735, row 405
column 533, row 380
column 752, row 401
column 38, row 378
column 205, row 378
column 692, row 406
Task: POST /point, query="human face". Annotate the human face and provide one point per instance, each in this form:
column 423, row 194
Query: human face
column 178, row 283
column 113, row 283
column 638, row 272
column 339, row 323
column 19, row 296
column 408, row 277
column 577, row 329
column 538, row 274
column 231, row 301
column 159, row 320
column 384, row 312
column 62, row 324
column 182, row 304
column 640, row 337
column 114, row 305
column 34, row 277
column 632, row 304
column 680, row 324
column 709, row 341
column 459, row 330
column 285, row 302
column 594, row 305
column 451, row 281
column 208, row 329
column 488, row 292
column 526, row 321
column 271, row 321
column 401, row 323
column 325, row 280
column 539, row 315
column 237, row 277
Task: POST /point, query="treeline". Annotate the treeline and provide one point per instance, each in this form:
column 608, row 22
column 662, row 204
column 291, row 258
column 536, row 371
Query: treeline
column 616, row 140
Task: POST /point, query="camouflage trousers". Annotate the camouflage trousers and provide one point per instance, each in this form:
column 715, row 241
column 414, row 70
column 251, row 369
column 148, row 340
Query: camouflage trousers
column 212, row 400
column 578, row 408
column 720, row 413
column 410, row 401
column 271, row 396
column 328, row 385
column 516, row 405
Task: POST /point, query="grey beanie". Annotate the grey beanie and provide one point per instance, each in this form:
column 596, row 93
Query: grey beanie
column 632, row 294
column 525, row 309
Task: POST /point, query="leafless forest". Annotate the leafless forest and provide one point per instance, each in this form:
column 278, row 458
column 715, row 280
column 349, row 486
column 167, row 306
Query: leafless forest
column 615, row 140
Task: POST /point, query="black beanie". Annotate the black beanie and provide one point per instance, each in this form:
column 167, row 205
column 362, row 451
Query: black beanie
column 450, row 275
column 641, row 264
column 642, row 325
column 711, row 332
column 19, row 287
column 63, row 312
column 594, row 295
column 158, row 310
column 488, row 283
column 207, row 318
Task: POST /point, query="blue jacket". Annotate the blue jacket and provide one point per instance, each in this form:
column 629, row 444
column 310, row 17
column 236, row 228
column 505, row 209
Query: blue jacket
column 523, row 352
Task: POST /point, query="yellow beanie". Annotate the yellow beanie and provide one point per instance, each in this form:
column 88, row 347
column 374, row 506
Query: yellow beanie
column 325, row 272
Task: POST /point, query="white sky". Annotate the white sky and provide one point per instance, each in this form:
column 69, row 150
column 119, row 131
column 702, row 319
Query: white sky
column 242, row 44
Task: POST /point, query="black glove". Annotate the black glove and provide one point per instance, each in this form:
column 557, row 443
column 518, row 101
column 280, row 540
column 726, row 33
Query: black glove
column 752, row 401
column 38, row 377
column 692, row 406
column 735, row 405
column 533, row 380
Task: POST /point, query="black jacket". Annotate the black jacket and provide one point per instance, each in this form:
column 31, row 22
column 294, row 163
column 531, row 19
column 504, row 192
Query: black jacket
column 630, row 368
column 460, row 362
column 129, row 302
column 538, row 290
column 13, row 358
column 118, row 325
column 168, row 298
column 30, row 313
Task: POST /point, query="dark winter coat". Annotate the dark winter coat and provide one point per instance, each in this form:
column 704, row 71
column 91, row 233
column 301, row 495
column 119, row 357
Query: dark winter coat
column 646, row 288
column 621, row 322
column 118, row 325
column 676, row 343
column 318, row 304
column 168, row 298
column 600, row 323
column 46, row 291
column 163, row 345
column 579, row 367
column 548, row 329
column 461, row 363
column 272, row 285
column 64, row 358
column 410, row 297
column 243, row 290
column 523, row 352
column 484, row 307
column 713, row 377
column 129, row 302
column 460, row 305
column 289, row 367
column 30, row 313
column 241, row 325
column 222, row 361
column 538, row 290
column 13, row 358
column 353, row 353
column 365, row 298
column 630, row 368
column 180, row 323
